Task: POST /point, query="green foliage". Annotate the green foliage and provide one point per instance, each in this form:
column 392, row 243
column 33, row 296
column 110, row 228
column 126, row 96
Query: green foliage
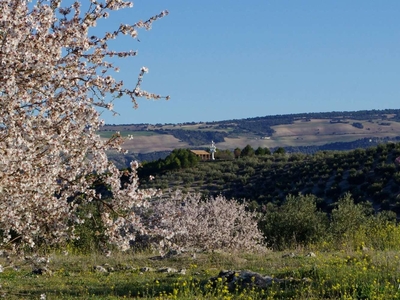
column 180, row 159
column 356, row 177
column 296, row 222
column 347, row 220
column 90, row 233
column 382, row 232
column 280, row 150
column 262, row 151
column 297, row 157
column 327, row 175
column 224, row 154
column 247, row 151
column 368, row 274
column 237, row 152
column 196, row 137
column 358, row 125
column 176, row 160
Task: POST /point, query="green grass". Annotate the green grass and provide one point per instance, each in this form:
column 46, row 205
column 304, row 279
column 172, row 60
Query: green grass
column 330, row 275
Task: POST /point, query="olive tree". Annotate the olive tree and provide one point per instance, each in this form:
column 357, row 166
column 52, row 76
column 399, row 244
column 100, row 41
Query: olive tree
column 297, row 222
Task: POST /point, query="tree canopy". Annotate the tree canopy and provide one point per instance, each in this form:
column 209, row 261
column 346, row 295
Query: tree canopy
column 53, row 77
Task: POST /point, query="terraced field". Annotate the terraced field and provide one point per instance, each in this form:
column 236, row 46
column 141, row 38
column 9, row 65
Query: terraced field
column 302, row 132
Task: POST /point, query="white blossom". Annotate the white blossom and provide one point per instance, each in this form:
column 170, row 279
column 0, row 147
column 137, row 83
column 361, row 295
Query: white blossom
column 188, row 221
column 53, row 76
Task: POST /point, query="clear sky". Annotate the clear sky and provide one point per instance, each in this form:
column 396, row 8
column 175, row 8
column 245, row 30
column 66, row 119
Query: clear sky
column 232, row 59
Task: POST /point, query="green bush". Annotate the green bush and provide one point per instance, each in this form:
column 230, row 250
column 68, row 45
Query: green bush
column 296, row 222
column 90, row 233
column 348, row 222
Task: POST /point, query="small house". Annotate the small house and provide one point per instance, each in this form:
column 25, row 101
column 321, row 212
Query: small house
column 202, row 154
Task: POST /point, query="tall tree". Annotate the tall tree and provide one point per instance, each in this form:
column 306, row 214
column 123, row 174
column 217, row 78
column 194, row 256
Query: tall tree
column 280, row 150
column 247, row 151
column 53, row 75
column 260, row 151
column 237, row 152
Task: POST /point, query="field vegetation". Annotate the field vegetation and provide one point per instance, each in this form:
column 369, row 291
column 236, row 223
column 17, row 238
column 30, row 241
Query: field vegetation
column 255, row 224
column 292, row 130
column 344, row 268
column 369, row 175
column 331, row 245
column 318, row 241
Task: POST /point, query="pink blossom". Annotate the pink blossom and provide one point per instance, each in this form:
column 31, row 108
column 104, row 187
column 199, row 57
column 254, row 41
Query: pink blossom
column 53, row 77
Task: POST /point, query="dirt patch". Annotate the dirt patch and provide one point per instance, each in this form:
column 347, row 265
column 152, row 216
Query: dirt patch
column 146, row 144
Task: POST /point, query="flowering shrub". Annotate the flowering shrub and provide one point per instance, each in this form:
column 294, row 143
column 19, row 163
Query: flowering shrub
column 189, row 221
column 53, row 75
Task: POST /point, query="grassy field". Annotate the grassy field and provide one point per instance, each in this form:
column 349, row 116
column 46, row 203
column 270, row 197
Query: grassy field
column 330, row 275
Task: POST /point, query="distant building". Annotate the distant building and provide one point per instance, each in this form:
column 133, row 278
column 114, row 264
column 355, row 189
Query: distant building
column 202, row 154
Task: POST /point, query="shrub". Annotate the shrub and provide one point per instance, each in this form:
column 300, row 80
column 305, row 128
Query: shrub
column 296, row 222
column 215, row 223
column 383, row 233
column 347, row 222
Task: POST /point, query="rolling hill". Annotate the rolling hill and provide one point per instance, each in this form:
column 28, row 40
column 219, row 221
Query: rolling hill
column 307, row 133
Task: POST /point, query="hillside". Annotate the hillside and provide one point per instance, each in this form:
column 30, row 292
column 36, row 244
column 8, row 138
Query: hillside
column 368, row 174
column 307, row 133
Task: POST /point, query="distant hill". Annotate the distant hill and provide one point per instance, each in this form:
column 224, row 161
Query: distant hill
column 307, row 133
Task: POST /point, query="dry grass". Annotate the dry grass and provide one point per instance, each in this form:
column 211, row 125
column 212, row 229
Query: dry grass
column 145, row 144
column 315, row 132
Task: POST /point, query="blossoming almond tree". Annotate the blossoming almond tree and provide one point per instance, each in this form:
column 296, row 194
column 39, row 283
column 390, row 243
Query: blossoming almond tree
column 53, row 75
column 190, row 222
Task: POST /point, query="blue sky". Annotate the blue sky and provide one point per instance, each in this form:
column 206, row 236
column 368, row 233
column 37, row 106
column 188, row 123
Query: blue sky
column 230, row 59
